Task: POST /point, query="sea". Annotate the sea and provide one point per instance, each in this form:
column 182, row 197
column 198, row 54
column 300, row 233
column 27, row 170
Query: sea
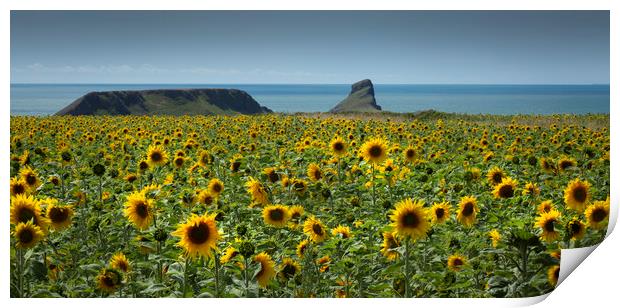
column 46, row 99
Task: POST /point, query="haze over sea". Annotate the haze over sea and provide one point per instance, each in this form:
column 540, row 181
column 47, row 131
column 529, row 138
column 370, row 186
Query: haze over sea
column 46, row 99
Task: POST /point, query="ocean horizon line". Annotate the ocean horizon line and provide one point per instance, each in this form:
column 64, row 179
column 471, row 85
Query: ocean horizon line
column 321, row 84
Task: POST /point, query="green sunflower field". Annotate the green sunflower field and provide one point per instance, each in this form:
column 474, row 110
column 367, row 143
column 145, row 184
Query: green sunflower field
column 306, row 205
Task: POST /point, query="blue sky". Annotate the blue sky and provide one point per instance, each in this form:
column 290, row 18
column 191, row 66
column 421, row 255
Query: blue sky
column 463, row 47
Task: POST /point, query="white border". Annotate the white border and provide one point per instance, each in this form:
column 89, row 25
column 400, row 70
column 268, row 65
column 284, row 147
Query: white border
column 593, row 282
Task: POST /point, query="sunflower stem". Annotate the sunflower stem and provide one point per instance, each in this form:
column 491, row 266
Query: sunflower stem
column 373, row 186
column 185, row 276
column 217, row 275
column 101, row 191
column 407, row 268
column 245, row 276
column 20, row 272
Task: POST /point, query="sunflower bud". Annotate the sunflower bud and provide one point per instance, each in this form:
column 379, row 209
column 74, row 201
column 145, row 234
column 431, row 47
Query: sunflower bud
column 98, row 169
column 246, row 249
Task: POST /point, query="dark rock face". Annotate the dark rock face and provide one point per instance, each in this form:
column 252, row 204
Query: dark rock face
column 361, row 99
column 174, row 102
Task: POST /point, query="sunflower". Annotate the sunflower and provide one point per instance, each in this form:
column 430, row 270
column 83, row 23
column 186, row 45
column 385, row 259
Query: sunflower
column 468, row 209
column 338, row 147
column 139, row 210
column 276, row 215
column 296, row 212
column 215, row 187
column 315, row 229
column 299, row 186
column 289, row 268
column 26, row 208
column 30, row 177
column 143, row 165
column 577, row 195
column 505, row 189
column 267, row 271
column 157, row 156
column 59, row 216
column 374, row 151
column 456, row 262
column 576, row 229
column 547, row 222
column 19, row 187
column 389, row 243
column 119, row 261
column 410, row 154
column 204, row 158
column 301, row 248
column 545, row 206
column 178, row 161
column 198, row 236
column 271, row 174
column 27, row 234
column 229, row 254
column 314, row 172
column 547, row 165
column 495, row 237
column 553, row 273
column 109, row 280
column 440, row 212
column 205, row 197
column 343, row 231
column 410, row 219
column 597, row 214
column 323, row 262
column 531, row 189
column 495, row 176
column 565, row 163
column 257, row 191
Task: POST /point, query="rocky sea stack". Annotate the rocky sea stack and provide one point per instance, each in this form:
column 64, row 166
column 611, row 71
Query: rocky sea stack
column 171, row 102
column 361, row 99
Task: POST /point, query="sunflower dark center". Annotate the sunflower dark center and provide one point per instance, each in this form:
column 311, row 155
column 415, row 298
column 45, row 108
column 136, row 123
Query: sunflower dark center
column 440, row 212
column 549, row 225
column 58, row 215
column 575, row 227
column 410, row 220
column 289, row 270
column 580, row 194
column 142, row 210
column 497, row 177
column 299, row 185
column 468, row 209
column 565, row 164
column 410, row 153
column 598, row 215
column 31, row 179
column 19, row 189
column 207, row 199
column 506, row 191
column 26, row 236
column 273, row 176
column 375, row 151
column 295, row 215
column 217, row 187
column 389, row 168
column 26, row 214
column 317, row 173
column 338, row 146
column 457, row 262
column 317, row 229
column 108, row 281
column 199, row 234
column 179, row 161
column 276, row 214
column 156, row 156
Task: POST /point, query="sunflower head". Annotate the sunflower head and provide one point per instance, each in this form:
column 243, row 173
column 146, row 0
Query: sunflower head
column 597, row 214
column 109, row 280
column 257, row 191
column 495, row 176
column 271, row 174
column 296, row 212
column 342, row 231
column 198, row 235
column 157, row 156
column 410, row 154
column 547, row 222
column 314, row 172
column 575, row 229
column 390, row 242
column 495, row 237
column 229, row 254
column 59, row 216
column 119, row 261
column 27, row 208
column 440, row 212
column 315, row 229
column 505, row 189
column 456, row 262
column 565, row 163
column 531, row 189
column 374, row 151
column 577, row 195
column 215, row 187
column 289, row 268
column 338, row 146
column 410, row 219
column 205, row 197
column 553, row 273
column 27, row 235
column 30, row 177
column 468, row 209
column 267, row 269
column 276, row 215
column 19, row 187
column 139, row 210
column 301, row 248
